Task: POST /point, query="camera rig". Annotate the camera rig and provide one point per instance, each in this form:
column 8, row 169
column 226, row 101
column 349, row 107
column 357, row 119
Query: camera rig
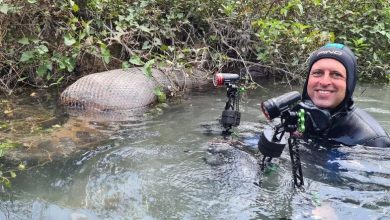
column 231, row 114
column 297, row 118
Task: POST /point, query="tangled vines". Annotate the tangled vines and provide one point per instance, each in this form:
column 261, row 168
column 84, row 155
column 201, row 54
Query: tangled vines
column 50, row 43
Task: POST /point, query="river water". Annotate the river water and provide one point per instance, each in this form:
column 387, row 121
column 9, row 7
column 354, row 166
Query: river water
column 175, row 164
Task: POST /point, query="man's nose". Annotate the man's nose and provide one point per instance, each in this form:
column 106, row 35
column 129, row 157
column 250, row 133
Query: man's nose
column 326, row 79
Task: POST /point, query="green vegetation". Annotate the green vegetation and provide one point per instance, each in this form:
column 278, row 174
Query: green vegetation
column 45, row 43
column 6, row 174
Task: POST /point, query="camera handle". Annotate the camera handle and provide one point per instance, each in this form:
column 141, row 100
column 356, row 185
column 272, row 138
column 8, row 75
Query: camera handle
column 295, row 161
column 233, row 98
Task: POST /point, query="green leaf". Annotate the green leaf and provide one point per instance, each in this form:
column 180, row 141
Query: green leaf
column 34, row 40
column 388, row 35
column 22, row 79
column 144, row 28
column 42, row 49
column 71, row 64
column 69, row 40
column 164, row 47
column 32, row 1
column 125, row 65
column 24, row 41
column 105, row 54
column 180, row 56
column 161, row 96
column 75, row 8
column 4, row 8
column 300, row 7
column 49, row 65
column 146, row 45
column 148, row 68
column 21, row 166
column 82, row 35
column 42, row 70
column 13, row 174
column 26, row 56
column 136, row 60
column 7, row 183
column 157, row 41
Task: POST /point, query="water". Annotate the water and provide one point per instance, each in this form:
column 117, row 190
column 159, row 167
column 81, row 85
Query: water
column 176, row 165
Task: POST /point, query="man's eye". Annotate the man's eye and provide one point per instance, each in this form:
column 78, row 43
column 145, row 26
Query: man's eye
column 337, row 75
column 316, row 73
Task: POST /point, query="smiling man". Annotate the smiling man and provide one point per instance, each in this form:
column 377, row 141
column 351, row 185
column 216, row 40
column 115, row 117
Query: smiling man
column 330, row 85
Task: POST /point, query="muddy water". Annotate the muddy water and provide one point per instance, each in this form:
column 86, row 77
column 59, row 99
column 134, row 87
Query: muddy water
column 174, row 164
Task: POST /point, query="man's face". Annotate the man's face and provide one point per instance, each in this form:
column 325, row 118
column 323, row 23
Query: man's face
column 327, row 83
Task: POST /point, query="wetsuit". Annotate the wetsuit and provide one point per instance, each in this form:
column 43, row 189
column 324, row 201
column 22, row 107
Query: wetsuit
column 349, row 125
column 353, row 127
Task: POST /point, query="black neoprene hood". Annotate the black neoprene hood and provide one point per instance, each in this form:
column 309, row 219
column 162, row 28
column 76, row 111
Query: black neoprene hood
column 345, row 56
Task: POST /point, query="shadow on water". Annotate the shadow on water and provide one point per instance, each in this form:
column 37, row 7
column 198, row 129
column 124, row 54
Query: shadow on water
column 174, row 164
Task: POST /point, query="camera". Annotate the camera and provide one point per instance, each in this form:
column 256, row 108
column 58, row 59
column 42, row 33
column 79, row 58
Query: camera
column 274, row 107
column 295, row 115
column 221, row 79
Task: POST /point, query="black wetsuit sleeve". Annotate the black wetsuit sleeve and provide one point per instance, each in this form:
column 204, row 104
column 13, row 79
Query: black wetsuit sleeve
column 358, row 127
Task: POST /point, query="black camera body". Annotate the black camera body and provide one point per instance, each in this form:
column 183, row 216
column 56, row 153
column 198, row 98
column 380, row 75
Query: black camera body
column 295, row 115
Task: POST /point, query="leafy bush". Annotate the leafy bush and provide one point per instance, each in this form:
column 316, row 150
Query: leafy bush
column 47, row 42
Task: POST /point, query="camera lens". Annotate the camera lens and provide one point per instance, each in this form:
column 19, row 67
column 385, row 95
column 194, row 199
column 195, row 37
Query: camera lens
column 274, row 107
column 218, row 80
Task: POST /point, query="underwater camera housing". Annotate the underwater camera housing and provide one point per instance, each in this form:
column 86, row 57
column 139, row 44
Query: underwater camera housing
column 231, row 115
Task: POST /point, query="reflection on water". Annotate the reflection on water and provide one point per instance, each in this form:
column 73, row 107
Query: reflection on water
column 176, row 165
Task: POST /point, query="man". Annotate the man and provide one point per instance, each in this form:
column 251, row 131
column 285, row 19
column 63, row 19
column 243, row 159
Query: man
column 330, row 85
